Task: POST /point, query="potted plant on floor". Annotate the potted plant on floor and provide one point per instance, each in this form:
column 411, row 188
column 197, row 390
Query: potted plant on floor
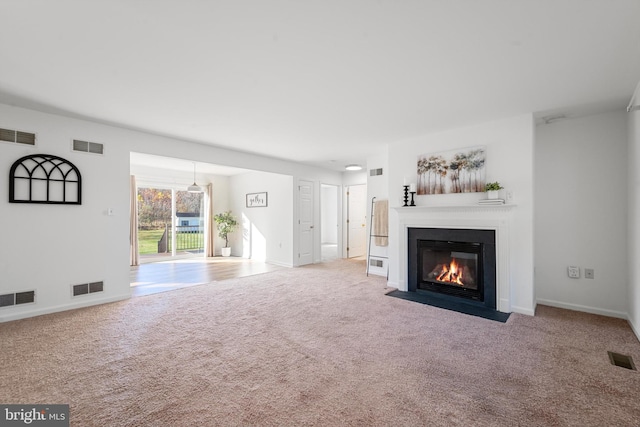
column 492, row 189
column 226, row 224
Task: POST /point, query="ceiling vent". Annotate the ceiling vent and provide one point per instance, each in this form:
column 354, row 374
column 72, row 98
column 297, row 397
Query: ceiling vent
column 17, row 137
column 553, row 118
column 88, row 147
column 17, row 298
column 375, row 172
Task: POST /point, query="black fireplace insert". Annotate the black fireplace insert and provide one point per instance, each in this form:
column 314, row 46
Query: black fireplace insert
column 454, row 264
column 451, row 268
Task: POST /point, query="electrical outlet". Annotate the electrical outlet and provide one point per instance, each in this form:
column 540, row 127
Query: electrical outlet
column 509, row 196
column 573, row 272
column 588, row 273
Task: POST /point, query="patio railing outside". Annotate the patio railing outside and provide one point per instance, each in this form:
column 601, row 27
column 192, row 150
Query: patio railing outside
column 188, row 238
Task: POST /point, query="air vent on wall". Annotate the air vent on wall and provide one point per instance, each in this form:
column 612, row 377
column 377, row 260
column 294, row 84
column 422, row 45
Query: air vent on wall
column 375, row 172
column 376, row 263
column 17, row 298
column 18, row 137
column 7, row 300
column 87, row 288
column 88, row 147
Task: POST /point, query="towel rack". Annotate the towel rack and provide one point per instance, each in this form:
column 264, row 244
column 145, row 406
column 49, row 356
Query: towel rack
column 371, row 236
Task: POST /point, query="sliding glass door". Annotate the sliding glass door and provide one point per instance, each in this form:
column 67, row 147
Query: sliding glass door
column 154, row 222
column 189, row 230
column 170, row 223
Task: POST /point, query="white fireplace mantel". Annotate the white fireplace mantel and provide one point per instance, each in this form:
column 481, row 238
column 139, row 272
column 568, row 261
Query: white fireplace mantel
column 482, row 217
column 456, row 208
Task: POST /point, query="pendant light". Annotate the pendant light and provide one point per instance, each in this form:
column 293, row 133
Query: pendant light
column 194, row 188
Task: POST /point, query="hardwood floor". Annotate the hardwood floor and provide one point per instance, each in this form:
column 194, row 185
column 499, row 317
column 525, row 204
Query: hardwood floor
column 165, row 276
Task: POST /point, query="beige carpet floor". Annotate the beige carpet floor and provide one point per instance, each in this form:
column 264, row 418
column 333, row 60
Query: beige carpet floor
column 318, row 346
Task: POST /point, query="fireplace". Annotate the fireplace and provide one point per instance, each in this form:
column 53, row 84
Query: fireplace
column 451, row 268
column 458, row 265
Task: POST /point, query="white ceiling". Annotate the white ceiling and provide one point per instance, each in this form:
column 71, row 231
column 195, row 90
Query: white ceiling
column 173, row 164
column 325, row 82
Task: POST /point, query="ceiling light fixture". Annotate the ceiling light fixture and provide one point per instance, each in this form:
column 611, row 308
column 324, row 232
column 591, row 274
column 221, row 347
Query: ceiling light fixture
column 353, row 167
column 194, row 188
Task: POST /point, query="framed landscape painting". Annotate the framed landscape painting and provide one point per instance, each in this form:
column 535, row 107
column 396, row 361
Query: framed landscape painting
column 454, row 171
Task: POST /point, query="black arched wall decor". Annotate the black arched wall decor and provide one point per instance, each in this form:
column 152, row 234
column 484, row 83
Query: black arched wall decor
column 43, row 178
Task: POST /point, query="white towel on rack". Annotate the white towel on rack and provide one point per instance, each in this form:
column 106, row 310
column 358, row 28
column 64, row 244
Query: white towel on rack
column 381, row 222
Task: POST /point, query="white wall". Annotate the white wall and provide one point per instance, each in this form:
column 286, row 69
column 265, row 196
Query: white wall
column 48, row 248
column 581, row 213
column 509, row 151
column 54, row 247
column 265, row 233
column 353, row 178
column 378, row 187
column 633, row 306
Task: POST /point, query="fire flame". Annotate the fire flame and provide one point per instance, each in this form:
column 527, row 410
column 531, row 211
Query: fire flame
column 451, row 273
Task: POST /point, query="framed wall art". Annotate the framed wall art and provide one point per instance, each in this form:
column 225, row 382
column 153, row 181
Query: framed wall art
column 257, row 200
column 454, row 171
column 44, row 178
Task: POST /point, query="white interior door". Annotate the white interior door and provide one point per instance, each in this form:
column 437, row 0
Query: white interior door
column 305, row 222
column 357, row 220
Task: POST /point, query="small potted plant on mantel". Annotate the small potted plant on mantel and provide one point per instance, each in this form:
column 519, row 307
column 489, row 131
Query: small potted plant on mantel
column 226, row 223
column 492, row 189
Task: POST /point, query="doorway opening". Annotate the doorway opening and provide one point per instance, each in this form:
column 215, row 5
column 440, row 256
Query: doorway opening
column 329, row 221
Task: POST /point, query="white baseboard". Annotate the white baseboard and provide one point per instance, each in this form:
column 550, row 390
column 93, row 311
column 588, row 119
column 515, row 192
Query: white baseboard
column 635, row 330
column 279, row 263
column 8, row 317
column 584, row 308
column 523, row 310
column 377, row 272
